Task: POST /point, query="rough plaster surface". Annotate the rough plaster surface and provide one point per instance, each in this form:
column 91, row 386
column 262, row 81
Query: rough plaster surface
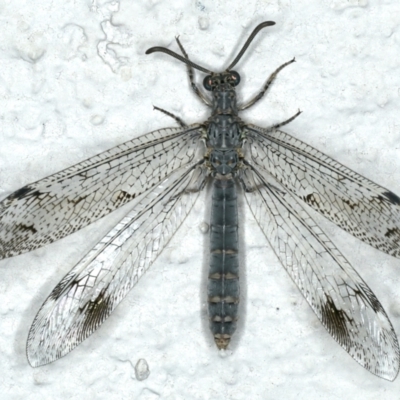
column 74, row 81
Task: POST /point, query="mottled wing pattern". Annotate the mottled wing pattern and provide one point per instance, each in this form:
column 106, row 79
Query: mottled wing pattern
column 343, row 302
column 354, row 203
column 88, row 294
column 67, row 201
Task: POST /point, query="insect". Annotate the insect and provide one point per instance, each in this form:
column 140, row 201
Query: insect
column 163, row 173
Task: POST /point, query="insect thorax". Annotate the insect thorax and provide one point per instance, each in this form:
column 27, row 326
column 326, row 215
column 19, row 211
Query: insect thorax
column 224, row 140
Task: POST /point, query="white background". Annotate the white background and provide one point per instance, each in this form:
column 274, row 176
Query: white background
column 74, row 80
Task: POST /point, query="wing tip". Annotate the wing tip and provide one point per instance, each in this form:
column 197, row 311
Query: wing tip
column 388, row 373
column 33, row 358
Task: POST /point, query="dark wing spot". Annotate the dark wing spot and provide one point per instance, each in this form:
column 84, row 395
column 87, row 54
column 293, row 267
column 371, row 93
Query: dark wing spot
column 351, row 205
column 78, row 200
column 58, row 291
column 121, row 197
column 95, row 311
column 393, row 198
column 23, row 192
column 24, row 228
column 334, row 321
column 392, row 232
column 313, row 200
column 369, row 298
column 309, row 198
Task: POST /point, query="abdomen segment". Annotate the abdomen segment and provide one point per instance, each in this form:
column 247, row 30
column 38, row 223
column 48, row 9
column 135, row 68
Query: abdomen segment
column 223, row 280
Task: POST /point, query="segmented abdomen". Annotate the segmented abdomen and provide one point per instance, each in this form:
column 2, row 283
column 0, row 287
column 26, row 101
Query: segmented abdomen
column 223, row 280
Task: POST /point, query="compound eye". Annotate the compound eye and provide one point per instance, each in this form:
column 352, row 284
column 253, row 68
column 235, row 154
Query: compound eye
column 234, row 77
column 207, row 83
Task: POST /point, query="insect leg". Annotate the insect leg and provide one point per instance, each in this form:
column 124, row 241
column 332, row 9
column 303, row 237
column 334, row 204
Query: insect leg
column 191, row 74
column 266, row 86
column 177, row 119
column 286, row 121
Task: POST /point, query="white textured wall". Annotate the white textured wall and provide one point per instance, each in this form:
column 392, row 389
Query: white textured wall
column 74, row 81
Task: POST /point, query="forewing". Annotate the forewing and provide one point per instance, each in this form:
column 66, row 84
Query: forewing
column 67, row 201
column 88, row 294
column 354, row 203
column 342, row 301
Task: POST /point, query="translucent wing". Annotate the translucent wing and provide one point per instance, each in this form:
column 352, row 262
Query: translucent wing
column 88, row 294
column 342, row 301
column 354, row 203
column 67, row 201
